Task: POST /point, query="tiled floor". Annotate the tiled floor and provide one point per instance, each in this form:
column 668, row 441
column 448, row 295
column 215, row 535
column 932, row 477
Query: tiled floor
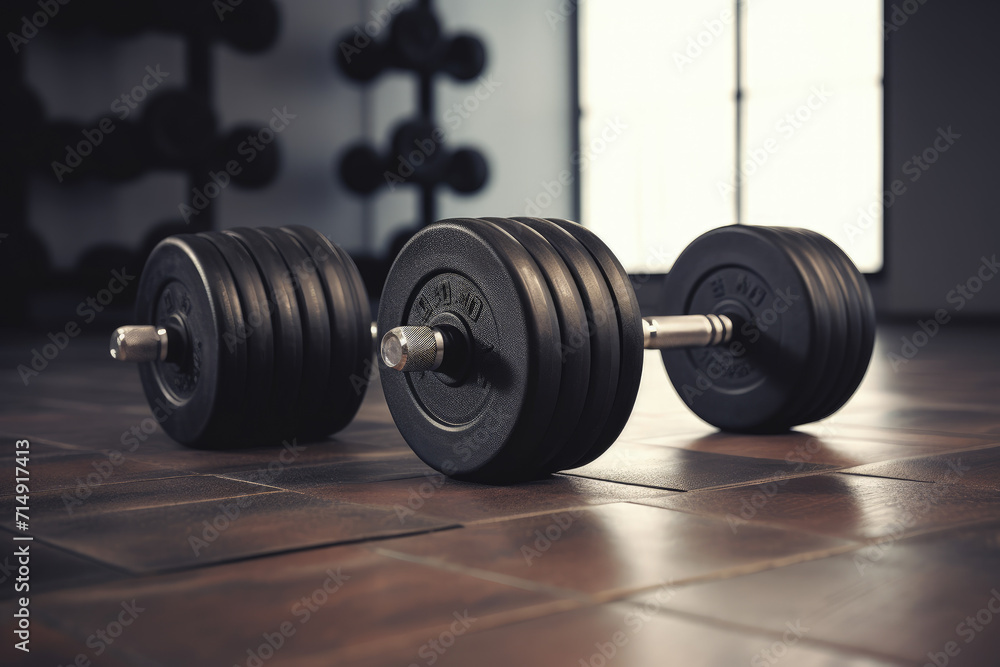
column 872, row 538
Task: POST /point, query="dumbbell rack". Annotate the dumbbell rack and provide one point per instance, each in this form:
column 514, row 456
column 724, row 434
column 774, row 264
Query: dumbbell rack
column 125, row 156
column 416, row 45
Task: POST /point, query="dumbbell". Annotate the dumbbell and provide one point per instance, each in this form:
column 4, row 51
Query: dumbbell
column 180, row 131
column 415, row 43
column 250, row 26
column 416, row 155
column 513, row 348
column 180, row 127
column 250, row 336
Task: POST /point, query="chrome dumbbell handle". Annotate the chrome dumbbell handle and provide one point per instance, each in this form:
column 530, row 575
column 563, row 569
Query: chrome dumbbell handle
column 415, row 349
column 138, row 343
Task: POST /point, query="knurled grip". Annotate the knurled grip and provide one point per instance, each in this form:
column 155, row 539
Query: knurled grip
column 413, row 349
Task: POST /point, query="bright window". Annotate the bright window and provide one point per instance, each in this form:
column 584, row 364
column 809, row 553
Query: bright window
column 687, row 127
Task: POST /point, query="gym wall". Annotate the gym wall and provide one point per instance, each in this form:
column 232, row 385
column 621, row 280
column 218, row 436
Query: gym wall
column 520, row 125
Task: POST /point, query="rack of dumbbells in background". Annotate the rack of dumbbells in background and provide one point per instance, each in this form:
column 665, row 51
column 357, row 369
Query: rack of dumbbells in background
column 176, row 130
column 414, row 42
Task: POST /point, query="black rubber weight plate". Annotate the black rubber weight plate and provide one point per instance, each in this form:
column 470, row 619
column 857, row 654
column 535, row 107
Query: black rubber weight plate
column 197, row 396
column 366, row 362
column 362, row 368
column 630, row 332
column 749, row 385
column 604, row 338
column 846, row 333
column 858, row 294
column 365, row 371
column 574, row 343
column 286, row 326
column 485, row 425
column 350, row 322
column 831, row 316
column 315, row 330
column 815, row 378
column 342, row 344
column 254, row 331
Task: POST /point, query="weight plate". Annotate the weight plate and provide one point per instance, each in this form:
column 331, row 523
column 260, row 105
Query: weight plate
column 286, row 325
column 816, row 376
column 364, row 320
column 254, row 331
column 745, row 273
column 630, row 332
column 187, row 288
column 858, row 293
column 315, row 331
column 574, row 343
column 827, row 304
column 363, row 371
column 846, row 339
column 342, row 344
column 604, row 338
column 486, row 422
column 343, row 312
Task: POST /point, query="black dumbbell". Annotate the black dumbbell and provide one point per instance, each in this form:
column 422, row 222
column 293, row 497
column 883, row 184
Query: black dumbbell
column 416, row 44
column 180, row 127
column 250, row 336
column 418, row 156
column 513, row 348
column 257, row 170
column 250, row 26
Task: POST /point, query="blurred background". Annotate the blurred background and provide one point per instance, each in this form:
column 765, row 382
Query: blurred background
column 650, row 121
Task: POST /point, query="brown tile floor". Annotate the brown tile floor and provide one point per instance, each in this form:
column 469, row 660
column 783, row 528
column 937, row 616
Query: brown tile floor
column 871, row 538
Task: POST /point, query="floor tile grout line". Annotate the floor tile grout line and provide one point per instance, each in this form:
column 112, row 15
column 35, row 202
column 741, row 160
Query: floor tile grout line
column 60, row 547
column 356, row 542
